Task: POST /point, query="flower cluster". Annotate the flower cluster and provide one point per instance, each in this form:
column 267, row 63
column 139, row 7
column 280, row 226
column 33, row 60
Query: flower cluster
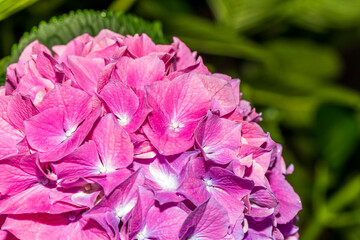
column 115, row 137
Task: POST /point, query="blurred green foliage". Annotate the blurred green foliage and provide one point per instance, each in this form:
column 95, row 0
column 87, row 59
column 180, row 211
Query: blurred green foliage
column 299, row 64
column 8, row 7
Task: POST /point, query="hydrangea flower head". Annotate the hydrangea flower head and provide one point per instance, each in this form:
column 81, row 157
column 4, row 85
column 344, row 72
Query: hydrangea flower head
column 115, row 137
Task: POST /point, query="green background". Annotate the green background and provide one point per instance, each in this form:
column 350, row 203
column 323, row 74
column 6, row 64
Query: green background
column 299, row 63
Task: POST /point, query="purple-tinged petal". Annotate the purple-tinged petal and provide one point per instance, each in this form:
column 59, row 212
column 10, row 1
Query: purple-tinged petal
column 119, row 205
column 207, row 221
column 261, row 229
column 228, row 190
column 290, row 203
column 194, row 186
column 141, row 209
column 162, row 224
column 263, row 197
column 218, row 138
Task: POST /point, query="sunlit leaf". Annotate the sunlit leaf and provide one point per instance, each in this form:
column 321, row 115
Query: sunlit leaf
column 8, row 7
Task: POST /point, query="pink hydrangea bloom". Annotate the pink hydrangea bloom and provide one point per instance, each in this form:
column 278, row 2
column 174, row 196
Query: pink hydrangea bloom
column 115, row 137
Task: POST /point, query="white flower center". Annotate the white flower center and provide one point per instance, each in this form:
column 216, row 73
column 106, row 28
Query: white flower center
column 103, row 169
column 142, row 235
column 209, row 184
column 166, row 181
column 175, row 125
column 123, row 120
column 70, row 132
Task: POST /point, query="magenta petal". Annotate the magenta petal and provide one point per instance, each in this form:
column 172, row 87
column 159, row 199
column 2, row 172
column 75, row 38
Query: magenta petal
column 86, row 72
column 58, row 226
column 13, row 179
column 36, row 199
column 162, row 224
column 119, row 205
column 140, row 45
column 207, row 221
column 228, row 190
column 9, row 139
column 72, row 142
column 178, row 108
column 218, row 138
column 111, row 180
column 76, row 104
column 45, row 64
column 34, row 87
column 221, row 92
column 20, row 108
column 83, row 162
column 144, row 71
column 45, row 130
column 125, row 104
column 193, row 186
column 113, row 143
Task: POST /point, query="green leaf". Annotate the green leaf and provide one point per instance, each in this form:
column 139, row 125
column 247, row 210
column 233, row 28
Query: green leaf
column 60, row 30
column 8, row 7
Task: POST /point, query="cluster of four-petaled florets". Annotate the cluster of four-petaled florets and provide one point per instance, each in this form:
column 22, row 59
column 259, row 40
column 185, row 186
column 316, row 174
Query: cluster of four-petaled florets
column 118, row 138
